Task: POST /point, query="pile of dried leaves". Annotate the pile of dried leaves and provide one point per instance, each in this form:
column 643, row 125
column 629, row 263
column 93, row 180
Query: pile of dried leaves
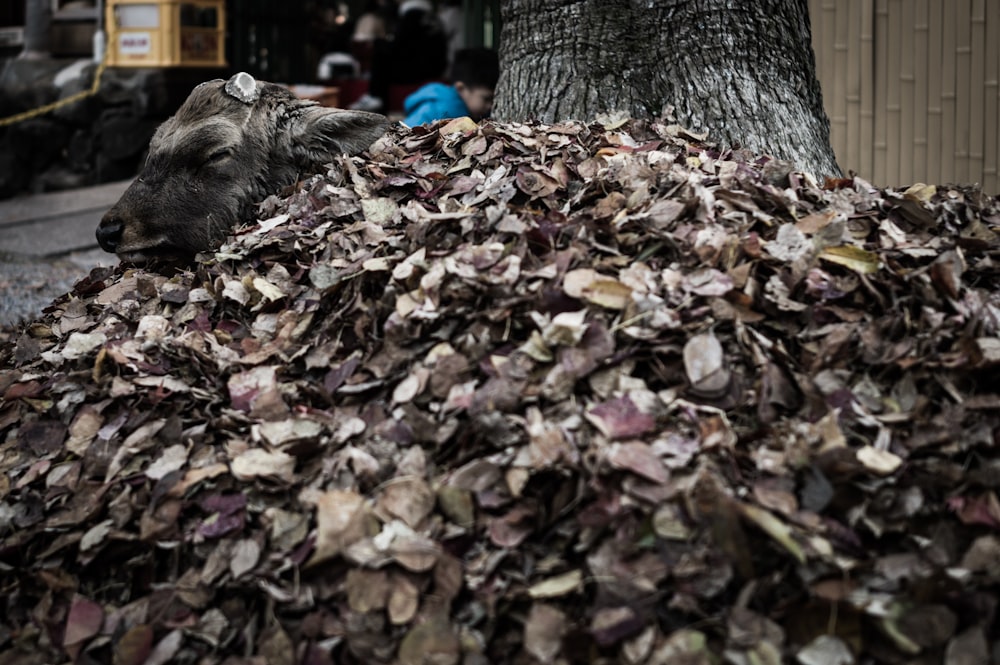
column 522, row 393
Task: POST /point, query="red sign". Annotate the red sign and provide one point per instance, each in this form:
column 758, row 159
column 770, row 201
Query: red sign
column 135, row 43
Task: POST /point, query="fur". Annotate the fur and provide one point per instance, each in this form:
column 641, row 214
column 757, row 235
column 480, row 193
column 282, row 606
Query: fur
column 213, row 160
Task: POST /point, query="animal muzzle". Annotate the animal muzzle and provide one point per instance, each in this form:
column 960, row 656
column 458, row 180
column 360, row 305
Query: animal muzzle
column 109, row 232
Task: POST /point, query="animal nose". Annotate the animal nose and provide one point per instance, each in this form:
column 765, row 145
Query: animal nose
column 109, row 232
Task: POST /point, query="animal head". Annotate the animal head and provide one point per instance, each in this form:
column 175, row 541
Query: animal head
column 229, row 145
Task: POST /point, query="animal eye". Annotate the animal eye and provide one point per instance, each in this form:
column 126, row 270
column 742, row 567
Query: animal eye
column 218, row 156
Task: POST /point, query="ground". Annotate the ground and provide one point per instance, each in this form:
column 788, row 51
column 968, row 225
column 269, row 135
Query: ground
column 30, row 284
column 47, row 244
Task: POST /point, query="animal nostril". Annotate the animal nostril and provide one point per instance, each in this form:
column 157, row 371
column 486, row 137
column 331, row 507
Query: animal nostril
column 109, row 232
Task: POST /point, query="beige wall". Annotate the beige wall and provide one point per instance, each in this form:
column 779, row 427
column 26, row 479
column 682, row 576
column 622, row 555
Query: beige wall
column 911, row 88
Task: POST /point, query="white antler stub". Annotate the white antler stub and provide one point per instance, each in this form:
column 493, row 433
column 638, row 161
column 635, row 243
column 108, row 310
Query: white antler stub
column 243, row 87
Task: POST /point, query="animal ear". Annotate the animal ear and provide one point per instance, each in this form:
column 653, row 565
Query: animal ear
column 319, row 133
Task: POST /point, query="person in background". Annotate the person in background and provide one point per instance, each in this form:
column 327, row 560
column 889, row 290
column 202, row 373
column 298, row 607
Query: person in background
column 368, row 29
column 370, row 24
column 327, row 29
column 452, row 20
column 419, row 47
column 474, row 77
column 418, row 52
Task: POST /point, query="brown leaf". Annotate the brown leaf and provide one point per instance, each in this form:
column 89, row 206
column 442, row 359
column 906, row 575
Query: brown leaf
column 639, row 458
column 457, row 505
column 409, row 499
column 166, row 649
column 83, row 622
column 341, row 518
column 404, row 600
column 134, row 647
column 83, row 429
column 415, row 553
column 246, row 555
column 946, row 273
column 511, row 529
column 433, row 641
column 367, row 590
column 42, row 436
column 620, row 418
column 544, row 631
column 705, row 363
column 613, row 624
column 276, row 647
column 256, row 462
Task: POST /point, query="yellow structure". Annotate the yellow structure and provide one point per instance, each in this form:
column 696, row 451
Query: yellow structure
column 166, row 33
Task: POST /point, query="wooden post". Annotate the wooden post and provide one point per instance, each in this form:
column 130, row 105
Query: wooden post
column 37, row 19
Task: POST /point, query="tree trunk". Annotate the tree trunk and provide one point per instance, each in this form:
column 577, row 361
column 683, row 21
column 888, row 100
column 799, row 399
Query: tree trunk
column 743, row 71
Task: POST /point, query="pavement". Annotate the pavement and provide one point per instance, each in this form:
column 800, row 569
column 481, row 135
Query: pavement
column 47, row 244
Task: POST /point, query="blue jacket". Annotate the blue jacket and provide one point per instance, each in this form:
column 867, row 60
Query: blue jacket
column 434, row 101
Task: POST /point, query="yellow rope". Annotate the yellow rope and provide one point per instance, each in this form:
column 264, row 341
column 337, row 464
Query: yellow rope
column 48, row 108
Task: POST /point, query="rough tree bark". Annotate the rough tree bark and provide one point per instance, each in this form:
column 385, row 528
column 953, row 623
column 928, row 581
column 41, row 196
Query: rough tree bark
column 743, row 70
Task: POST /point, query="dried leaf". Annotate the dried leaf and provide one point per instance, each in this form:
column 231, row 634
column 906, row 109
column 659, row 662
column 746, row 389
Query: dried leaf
column 881, row 462
column 341, row 517
column 256, row 463
column 83, row 429
column 134, row 647
column 276, row 647
column 433, row 641
column 403, row 601
column 778, row 530
column 638, row 458
column 409, row 499
column 463, row 125
column 544, row 631
column 246, row 554
column 789, row 245
column 172, row 459
column 166, row 649
column 557, row 586
column 84, row 620
column 705, row 364
column 589, row 285
column 854, row 258
column 620, row 418
column 367, row 590
column 95, row 535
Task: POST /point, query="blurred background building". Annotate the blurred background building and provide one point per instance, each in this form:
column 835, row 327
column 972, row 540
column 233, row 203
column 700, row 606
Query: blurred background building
column 277, row 41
